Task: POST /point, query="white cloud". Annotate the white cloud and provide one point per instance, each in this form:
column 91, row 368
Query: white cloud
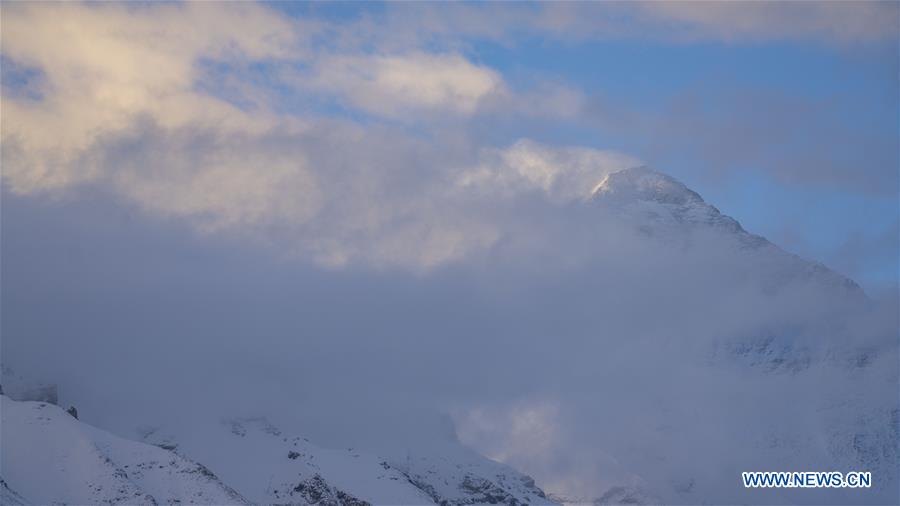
column 396, row 86
column 563, row 174
column 831, row 22
column 106, row 65
column 524, row 430
column 227, row 182
column 121, row 108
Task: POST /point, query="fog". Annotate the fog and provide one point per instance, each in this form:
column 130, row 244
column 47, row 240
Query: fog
column 593, row 357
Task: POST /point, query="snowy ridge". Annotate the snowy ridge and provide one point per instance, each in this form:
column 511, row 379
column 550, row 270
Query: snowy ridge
column 9, row 496
column 452, row 474
column 660, row 201
column 660, row 206
column 49, row 457
column 288, row 469
column 615, row 495
column 269, row 465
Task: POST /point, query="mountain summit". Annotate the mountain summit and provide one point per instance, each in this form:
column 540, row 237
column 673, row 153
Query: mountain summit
column 654, row 197
column 661, row 207
column 644, row 183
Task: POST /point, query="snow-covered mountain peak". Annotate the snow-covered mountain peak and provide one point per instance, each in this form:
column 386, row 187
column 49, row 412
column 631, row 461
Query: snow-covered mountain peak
column 659, row 206
column 662, row 205
column 645, row 184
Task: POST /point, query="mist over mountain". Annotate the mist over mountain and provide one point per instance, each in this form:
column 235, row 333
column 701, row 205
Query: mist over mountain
column 456, row 253
column 669, row 351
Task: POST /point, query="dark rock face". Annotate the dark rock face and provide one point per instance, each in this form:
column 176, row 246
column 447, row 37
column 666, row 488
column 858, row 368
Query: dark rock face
column 484, row 491
column 478, row 490
column 316, row 491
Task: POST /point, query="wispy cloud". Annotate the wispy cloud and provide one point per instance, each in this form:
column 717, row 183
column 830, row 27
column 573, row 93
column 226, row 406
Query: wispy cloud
column 121, row 108
column 830, row 23
column 825, row 22
column 563, row 174
column 401, row 85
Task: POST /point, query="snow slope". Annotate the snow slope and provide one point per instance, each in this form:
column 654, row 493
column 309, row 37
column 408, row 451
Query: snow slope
column 270, row 464
column 644, row 187
column 9, row 496
column 663, row 207
column 49, row 457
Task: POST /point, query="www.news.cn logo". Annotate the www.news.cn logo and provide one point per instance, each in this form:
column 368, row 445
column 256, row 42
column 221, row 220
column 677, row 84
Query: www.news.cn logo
column 785, row 479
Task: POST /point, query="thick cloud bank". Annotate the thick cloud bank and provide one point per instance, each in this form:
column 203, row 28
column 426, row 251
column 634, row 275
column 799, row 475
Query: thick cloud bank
column 664, row 364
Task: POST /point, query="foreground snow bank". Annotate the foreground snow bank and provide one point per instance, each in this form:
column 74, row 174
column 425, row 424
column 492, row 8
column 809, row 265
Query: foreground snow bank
column 49, row 457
